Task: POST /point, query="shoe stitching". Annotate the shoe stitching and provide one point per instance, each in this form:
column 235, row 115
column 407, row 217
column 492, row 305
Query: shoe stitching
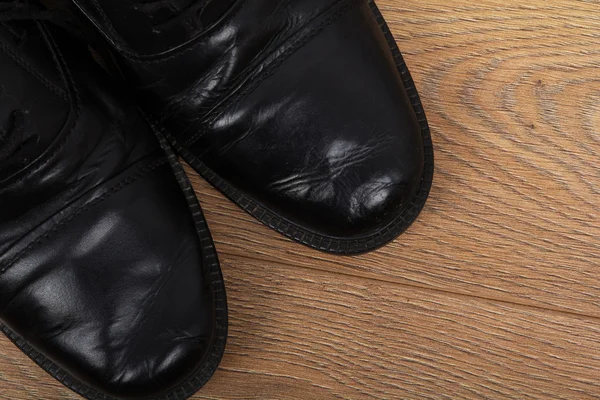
column 255, row 68
column 26, row 66
column 156, row 58
column 263, row 74
column 187, row 388
column 74, row 102
column 321, row 242
column 107, row 23
column 200, row 376
column 112, row 191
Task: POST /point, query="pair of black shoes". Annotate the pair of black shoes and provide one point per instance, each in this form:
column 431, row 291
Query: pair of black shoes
column 302, row 112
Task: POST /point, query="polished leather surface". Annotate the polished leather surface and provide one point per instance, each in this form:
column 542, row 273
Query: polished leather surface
column 297, row 104
column 101, row 266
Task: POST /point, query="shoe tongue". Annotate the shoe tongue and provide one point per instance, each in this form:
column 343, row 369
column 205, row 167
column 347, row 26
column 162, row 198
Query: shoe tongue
column 155, row 26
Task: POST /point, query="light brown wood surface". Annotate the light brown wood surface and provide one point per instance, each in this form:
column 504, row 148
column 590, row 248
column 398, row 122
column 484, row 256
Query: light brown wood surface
column 494, row 292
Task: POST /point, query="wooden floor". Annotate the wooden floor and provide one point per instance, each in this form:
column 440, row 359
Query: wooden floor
column 494, row 292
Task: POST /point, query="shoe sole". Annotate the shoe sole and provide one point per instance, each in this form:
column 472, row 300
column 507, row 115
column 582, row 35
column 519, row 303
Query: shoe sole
column 329, row 244
column 212, row 360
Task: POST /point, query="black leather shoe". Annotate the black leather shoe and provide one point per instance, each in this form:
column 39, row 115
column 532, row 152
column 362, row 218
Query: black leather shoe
column 302, row 112
column 108, row 276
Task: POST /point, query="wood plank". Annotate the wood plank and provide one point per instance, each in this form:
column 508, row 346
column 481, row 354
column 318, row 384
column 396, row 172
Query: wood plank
column 512, row 92
column 307, row 334
column 302, row 334
column 494, row 292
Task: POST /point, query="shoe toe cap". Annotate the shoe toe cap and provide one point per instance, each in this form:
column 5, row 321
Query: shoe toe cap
column 127, row 300
column 358, row 192
column 333, row 140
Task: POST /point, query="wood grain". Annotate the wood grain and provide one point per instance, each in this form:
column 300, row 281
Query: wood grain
column 302, row 334
column 512, row 92
column 494, row 292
